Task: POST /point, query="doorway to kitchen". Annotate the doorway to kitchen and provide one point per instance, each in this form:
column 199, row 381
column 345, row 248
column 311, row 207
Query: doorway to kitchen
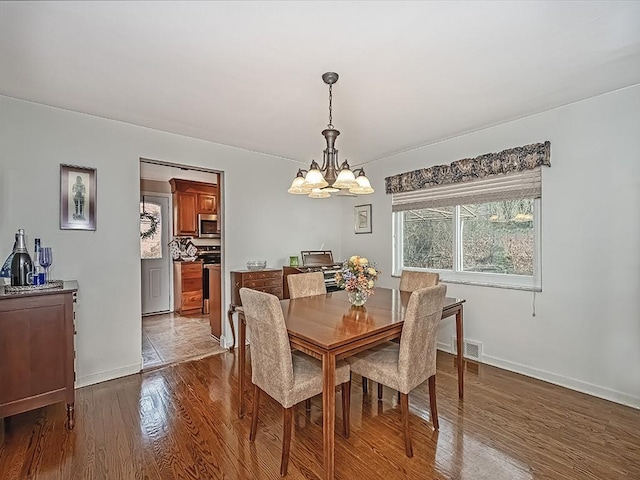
column 176, row 256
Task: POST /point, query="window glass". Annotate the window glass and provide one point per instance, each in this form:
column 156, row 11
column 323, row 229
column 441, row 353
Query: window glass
column 428, row 238
column 494, row 243
column 498, row 237
column 150, row 231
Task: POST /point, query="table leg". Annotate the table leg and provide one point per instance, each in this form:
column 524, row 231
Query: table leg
column 328, row 412
column 71, row 416
column 242, row 326
column 230, row 313
column 459, row 340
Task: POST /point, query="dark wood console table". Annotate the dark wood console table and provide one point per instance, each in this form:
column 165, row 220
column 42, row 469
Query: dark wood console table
column 268, row 280
column 37, row 350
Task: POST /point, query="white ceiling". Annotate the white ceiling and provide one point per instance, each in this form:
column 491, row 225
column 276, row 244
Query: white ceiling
column 248, row 74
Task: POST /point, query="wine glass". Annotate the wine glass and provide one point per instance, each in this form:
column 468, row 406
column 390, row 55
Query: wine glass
column 46, row 259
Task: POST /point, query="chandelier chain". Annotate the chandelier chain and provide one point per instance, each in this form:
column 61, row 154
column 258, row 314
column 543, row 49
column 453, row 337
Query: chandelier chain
column 330, row 106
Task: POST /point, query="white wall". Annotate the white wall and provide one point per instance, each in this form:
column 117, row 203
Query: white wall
column 35, row 140
column 586, row 331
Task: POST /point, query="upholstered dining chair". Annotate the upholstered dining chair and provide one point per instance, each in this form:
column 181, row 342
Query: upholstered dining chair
column 406, row 365
column 410, row 281
column 287, row 378
column 306, row 284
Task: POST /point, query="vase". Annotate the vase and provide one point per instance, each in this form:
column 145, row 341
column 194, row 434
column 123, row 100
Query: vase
column 357, row 298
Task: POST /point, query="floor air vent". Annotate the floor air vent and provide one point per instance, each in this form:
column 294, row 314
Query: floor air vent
column 470, row 349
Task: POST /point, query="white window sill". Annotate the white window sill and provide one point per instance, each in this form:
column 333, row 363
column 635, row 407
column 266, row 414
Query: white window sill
column 482, row 280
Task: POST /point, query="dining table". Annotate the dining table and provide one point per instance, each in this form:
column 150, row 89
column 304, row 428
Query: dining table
column 329, row 328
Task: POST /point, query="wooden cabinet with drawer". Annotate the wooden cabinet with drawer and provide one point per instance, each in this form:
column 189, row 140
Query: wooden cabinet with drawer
column 269, row 280
column 37, row 350
column 187, row 287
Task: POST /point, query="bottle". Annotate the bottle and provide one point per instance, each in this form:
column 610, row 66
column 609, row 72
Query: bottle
column 21, row 264
column 37, row 269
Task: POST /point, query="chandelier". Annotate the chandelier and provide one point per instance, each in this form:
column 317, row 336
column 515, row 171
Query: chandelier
column 321, row 182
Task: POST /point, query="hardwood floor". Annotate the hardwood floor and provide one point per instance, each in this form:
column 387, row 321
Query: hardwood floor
column 180, row 422
column 170, row 338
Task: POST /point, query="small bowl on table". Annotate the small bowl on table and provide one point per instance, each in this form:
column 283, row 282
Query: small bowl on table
column 257, row 264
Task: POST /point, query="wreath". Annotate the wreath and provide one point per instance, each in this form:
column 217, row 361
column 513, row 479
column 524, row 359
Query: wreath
column 153, row 222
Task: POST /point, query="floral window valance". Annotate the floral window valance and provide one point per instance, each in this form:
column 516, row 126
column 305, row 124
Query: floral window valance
column 511, row 160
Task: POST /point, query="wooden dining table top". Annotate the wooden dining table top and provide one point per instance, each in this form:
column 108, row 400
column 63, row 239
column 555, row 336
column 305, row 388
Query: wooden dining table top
column 330, row 321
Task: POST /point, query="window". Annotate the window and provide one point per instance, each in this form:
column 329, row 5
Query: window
column 476, row 235
column 150, row 231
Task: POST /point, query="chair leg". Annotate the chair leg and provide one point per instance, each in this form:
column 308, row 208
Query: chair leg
column 404, row 407
column 365, row 385
column 432, row 402
column 254, row 416
column 307, row 404
column 286, row 440
column 379, row 391
column 346, row 408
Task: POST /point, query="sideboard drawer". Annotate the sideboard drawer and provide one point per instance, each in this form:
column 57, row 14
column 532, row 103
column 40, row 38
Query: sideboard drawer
column 269, row 281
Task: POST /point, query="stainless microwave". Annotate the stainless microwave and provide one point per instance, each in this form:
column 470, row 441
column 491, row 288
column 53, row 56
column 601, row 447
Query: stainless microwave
column 208, row 226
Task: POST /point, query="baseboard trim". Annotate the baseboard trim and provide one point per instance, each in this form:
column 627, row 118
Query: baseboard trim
column 108, row 375
column 566, row 382
column 225, row 342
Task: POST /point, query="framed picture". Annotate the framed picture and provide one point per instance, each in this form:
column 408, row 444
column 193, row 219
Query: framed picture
column 362, row 217
column 77, row 198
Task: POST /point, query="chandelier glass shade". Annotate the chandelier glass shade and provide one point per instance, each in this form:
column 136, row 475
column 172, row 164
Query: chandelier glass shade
column 321, row 182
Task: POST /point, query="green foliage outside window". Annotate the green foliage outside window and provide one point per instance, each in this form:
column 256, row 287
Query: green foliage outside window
column 496, row 237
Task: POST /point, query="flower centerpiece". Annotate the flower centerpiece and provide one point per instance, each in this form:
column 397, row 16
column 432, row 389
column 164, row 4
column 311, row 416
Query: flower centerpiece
column 358, row 277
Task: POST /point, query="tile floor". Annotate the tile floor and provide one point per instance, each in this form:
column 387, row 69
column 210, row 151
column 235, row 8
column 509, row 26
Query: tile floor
column 171, row 338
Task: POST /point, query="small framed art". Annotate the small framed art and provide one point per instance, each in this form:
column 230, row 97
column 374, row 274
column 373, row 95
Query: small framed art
column 362, row 217
column 77, row 198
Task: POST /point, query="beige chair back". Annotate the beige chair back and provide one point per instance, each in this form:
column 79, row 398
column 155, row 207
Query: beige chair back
column 411, row 281
column 271, row 364
column 417, row 360
column 306, row 284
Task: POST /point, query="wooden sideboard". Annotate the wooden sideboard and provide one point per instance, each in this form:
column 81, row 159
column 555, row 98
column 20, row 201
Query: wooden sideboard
column 37, row 350
column 268, row 280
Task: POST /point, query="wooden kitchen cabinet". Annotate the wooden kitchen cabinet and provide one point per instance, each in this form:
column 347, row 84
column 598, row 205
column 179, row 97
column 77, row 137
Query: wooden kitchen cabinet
column 190, row 199
column 208, row 203
column 187, row 287
column 37, row 350
column 185, row 217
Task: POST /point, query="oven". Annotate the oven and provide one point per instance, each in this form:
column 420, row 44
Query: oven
column 210, row 255
column 208, row 226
